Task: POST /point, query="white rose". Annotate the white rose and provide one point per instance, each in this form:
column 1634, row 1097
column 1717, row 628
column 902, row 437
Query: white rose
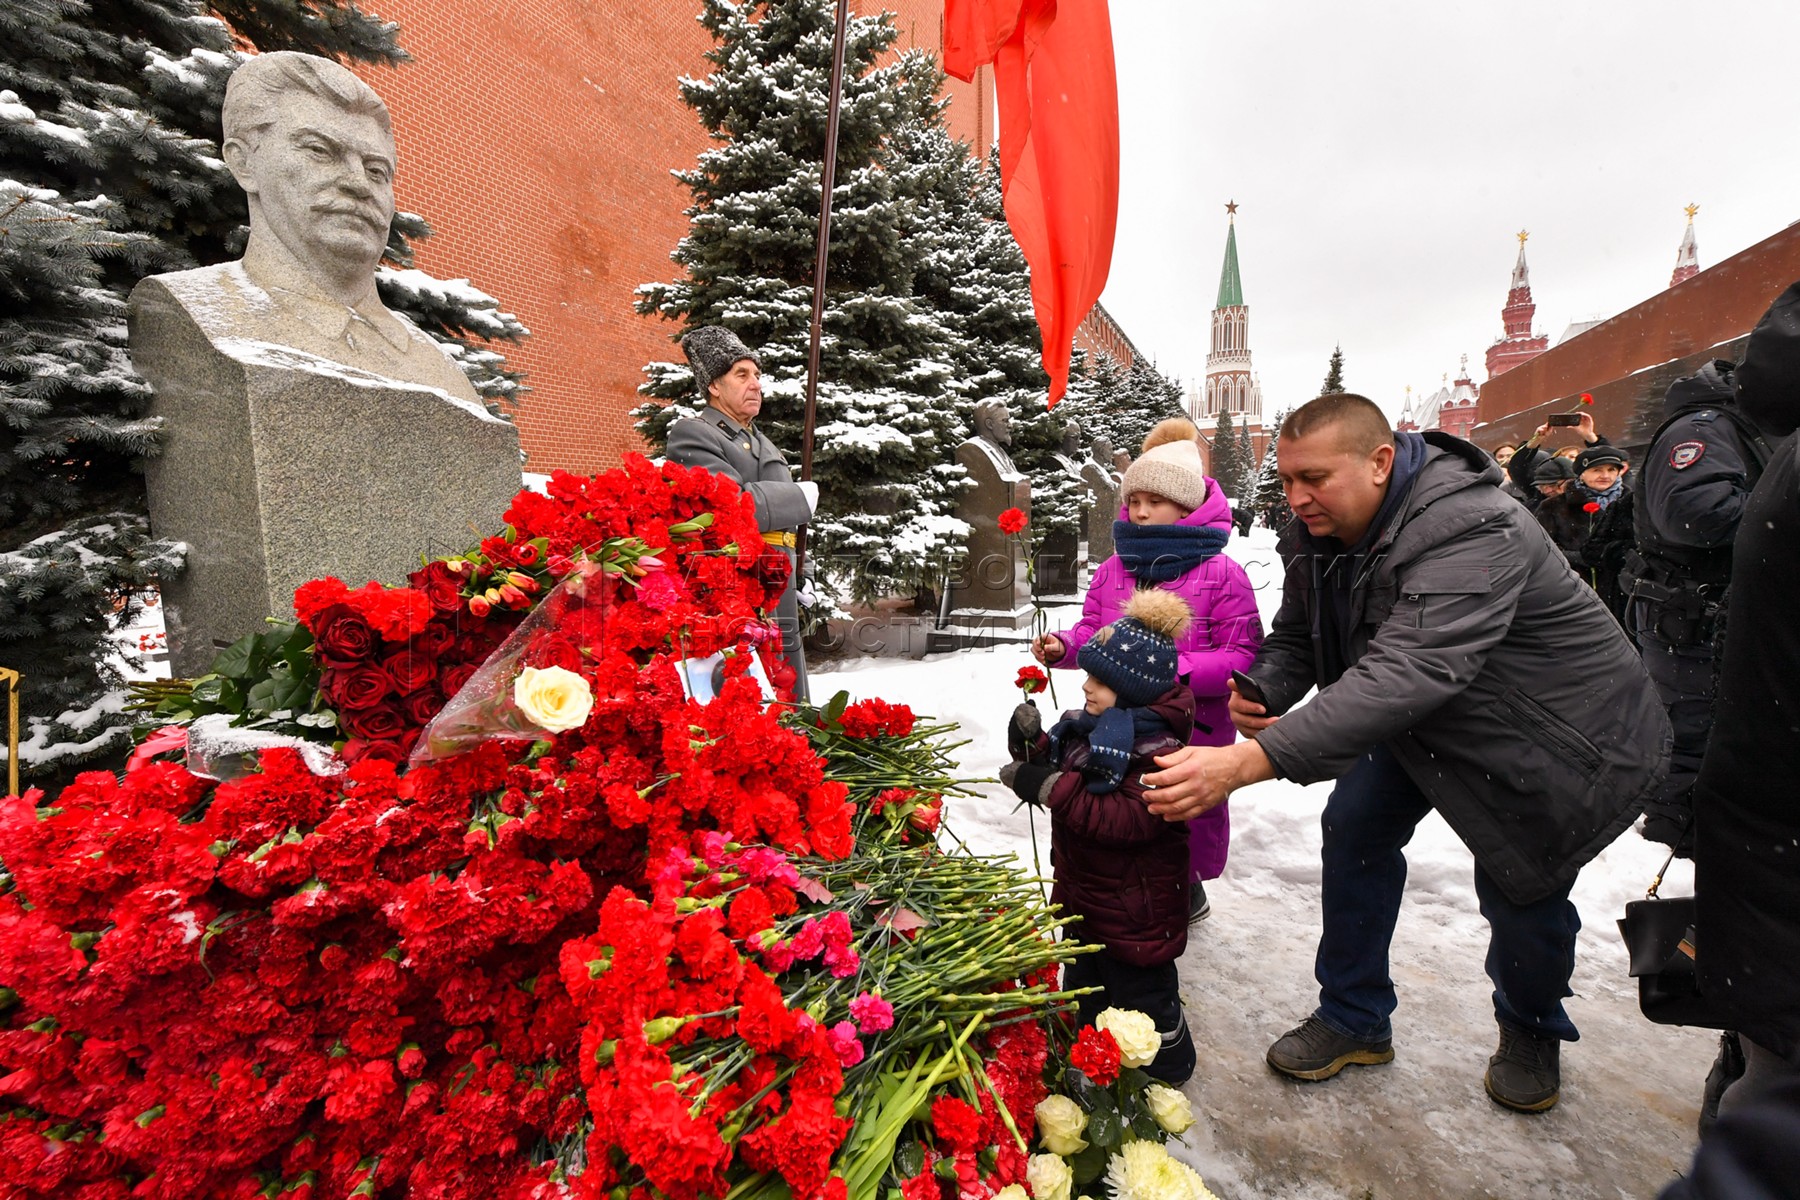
column 1049, row 1177
column 1170, row 1108
column 1061, row 1124
column 1144, row 1171
column 1135, row 1032
column 1012, row 1191
column 555, row 699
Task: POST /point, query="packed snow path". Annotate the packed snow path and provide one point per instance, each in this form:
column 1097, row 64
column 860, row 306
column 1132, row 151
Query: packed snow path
column 1420, row 1128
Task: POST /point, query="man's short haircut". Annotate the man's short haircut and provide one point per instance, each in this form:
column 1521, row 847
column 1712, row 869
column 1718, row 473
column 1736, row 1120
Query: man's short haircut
column 255, row 90
column 1361, row 424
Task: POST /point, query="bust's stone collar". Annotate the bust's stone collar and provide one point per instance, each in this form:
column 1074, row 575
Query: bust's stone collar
column 273, row 270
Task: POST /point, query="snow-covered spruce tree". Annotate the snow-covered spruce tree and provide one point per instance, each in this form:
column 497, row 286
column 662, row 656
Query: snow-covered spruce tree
column 1124, row 405
column 890, row 408
column 109, row 170
column 1248, row 463
column 1334, row 373
column 1269, row 500
column 1226, row 464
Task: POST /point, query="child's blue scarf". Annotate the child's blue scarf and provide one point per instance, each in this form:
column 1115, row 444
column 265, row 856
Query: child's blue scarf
column 1159, row 553
column 1109, row 737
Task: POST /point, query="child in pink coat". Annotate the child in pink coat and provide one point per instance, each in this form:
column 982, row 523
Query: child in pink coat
column 1178, row 522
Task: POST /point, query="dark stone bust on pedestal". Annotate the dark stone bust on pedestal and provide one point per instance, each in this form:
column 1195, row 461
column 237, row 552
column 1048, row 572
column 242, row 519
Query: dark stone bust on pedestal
column 1103, row 483
column 308, row 430
column 990, row 587
column 1059, row 555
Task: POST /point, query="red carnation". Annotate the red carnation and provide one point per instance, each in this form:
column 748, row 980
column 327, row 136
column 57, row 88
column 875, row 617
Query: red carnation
column 956, row 1123
column 1096, row 1055
column 1012, row 521
column 1587, row 397
column 1031, row 679
column 1592, row 506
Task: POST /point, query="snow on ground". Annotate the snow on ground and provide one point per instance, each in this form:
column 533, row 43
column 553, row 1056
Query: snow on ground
column 1421, row 1127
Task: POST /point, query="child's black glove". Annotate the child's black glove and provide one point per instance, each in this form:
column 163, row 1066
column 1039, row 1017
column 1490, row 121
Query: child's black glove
column 1030, row 782
column 1022, row 731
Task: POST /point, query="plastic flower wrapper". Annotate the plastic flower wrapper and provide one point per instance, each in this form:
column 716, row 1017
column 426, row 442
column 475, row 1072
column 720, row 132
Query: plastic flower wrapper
column 533, row 685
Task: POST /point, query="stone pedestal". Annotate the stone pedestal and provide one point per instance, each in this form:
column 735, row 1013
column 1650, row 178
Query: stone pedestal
column 280, row 466
column 989, row 588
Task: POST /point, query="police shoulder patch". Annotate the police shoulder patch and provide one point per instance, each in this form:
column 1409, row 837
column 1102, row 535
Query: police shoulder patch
column 1686, row 454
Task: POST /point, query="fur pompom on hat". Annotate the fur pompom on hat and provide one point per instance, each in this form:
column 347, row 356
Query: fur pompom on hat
column 1170, row 469
column 1135, row 656
column 1172, row 429
column 713, row 350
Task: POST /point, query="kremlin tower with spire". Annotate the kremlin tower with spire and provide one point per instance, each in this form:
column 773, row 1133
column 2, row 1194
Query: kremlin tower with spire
column 1687, row 259
column 1519, row 345
column 1230, row 385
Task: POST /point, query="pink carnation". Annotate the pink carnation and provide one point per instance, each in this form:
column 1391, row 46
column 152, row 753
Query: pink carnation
column 871, row 1013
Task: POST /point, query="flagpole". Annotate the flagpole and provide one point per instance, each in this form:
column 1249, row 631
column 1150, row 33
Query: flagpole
column 827, row 181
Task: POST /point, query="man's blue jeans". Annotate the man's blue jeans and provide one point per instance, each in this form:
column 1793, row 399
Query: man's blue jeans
column 1368, row 821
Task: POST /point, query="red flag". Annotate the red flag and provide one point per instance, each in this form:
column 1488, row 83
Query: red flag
column 1059, row 147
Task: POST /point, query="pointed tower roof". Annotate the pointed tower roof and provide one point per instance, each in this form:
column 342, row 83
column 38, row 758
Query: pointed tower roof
column 1231, row 284
column 1687, row 259
column 1521, row 277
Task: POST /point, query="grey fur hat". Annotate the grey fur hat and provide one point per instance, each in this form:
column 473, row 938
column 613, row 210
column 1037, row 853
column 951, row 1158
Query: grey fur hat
column 713, row 350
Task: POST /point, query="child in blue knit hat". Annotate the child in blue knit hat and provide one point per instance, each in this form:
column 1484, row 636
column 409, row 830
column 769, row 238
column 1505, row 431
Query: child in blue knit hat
column 1119, row 867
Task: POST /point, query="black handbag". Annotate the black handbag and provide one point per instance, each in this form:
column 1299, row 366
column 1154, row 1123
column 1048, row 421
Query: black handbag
column 1659, row 935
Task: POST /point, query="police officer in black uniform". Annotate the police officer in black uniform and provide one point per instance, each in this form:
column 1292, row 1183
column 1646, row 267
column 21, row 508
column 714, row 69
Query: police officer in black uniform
column 1701, row 465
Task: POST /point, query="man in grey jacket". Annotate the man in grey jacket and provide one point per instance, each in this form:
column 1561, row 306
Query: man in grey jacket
column 1462, row 666
column 724, row 439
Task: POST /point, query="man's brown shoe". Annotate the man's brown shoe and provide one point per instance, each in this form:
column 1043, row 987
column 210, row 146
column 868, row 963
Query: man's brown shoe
column 1524, row 1074
column 1316, row 1051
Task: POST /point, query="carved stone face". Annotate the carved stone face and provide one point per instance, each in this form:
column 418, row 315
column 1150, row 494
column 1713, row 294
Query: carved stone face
column 1071, row 439
column 1102, row 450
column 322, row 183
column 996, row 426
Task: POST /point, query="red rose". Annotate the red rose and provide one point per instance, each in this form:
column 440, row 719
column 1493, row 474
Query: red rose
column 410, row 670
column 452, row 676
column 433, row 640
column 555, row 650
column 343, row 637
column 422, row 705
column 356, row 750
column 441, row 585
column 352, row 688
column 1012, row 521
column 378, row 723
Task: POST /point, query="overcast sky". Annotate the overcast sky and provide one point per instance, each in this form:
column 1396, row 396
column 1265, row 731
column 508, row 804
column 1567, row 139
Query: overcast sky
column 1384, row 155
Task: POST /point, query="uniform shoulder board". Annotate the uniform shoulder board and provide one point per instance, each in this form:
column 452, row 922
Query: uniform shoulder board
column 1705, row 417
column 1685, row 454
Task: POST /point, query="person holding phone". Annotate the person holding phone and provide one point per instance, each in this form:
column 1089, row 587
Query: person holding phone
column 1527, row 458
column 1460, row 666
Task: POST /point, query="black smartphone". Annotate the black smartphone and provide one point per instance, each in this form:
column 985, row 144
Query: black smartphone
column 1564, row 419
column 1249, row 689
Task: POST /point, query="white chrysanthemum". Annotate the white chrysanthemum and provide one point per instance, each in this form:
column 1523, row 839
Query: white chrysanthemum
column 555, row 699
column 1135, row 1033
column 1061, row 1124
column 1169, row 1107
column 1144, row 1171
column 1049, row 1177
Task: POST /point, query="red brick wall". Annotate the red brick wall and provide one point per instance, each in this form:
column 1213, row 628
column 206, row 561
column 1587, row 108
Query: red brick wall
column 537, row 137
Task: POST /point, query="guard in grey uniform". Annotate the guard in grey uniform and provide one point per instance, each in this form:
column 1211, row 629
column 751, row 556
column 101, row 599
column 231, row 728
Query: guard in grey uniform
column 725, row 440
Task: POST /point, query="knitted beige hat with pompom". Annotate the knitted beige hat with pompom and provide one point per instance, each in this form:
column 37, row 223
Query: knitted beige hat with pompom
column 1173, row 470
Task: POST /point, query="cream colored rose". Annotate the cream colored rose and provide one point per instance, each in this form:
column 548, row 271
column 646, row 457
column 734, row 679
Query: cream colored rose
column 1144, row 1171
column 1170, row 1108
column 1061, row 1124
column 554, row 699
column 1049, row 1177
column 1012, row 1191
column 1135, row 1033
